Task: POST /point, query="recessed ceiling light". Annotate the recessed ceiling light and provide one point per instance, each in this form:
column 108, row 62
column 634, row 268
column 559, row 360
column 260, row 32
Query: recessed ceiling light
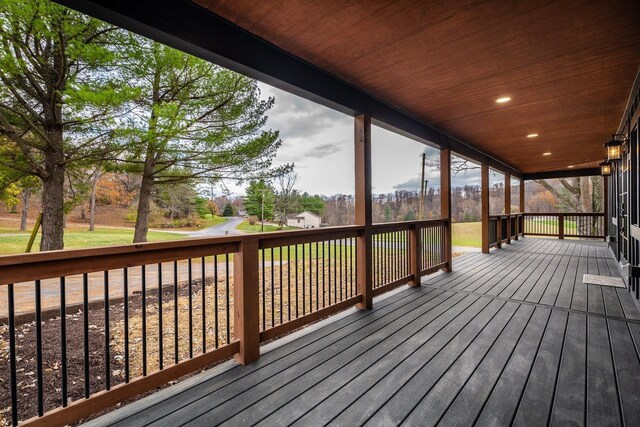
column 570, row 166
column 503, row 99
column 532, row 135
column 546, row 154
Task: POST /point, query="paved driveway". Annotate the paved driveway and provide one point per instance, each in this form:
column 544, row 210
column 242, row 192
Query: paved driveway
column 224, row 229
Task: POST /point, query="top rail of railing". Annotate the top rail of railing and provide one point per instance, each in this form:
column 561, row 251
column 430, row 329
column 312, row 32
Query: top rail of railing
column 42, row 265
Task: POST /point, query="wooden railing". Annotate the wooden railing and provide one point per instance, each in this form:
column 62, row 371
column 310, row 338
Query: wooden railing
column 124, row 320
column 406, row 250
column 561, row 225
column 504, row 228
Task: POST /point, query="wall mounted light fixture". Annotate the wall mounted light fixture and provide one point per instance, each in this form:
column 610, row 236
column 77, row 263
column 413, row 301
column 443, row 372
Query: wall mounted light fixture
column 615, row 147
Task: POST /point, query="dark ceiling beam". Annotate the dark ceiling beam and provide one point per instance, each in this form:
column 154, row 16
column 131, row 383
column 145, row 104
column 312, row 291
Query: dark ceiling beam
column 193, row 29
column 569, row 173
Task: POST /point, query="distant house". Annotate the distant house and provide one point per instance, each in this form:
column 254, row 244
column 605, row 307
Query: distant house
column 304, row 220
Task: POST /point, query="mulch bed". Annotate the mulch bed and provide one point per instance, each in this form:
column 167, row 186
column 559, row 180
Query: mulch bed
column 51, row 355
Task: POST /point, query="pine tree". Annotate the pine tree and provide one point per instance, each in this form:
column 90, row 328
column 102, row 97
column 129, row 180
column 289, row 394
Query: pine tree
column 58, row 97
column 196, row 121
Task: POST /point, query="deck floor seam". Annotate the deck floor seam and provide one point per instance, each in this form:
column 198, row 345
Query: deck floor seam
column 536, row 304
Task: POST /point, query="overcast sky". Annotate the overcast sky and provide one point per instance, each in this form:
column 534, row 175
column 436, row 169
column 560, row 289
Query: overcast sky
column 319, row 142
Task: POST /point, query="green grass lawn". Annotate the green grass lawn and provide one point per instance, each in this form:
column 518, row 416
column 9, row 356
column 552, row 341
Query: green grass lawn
column 464, row 234
column 15, row 242
column 257, row 227
column 550, row 225
column 467, row 234
column 210, row 220
column 12, row 242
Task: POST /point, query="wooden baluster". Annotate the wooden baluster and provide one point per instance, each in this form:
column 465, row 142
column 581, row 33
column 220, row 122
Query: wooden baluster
column 561, row 226
column 415, row 254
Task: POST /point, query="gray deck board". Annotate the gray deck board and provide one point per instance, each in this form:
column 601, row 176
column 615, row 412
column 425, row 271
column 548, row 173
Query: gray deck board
column 595, row 299
column 569, row 399
column 477, row 338
column 353, row 361
column 512, row 337
column 437, row 401
column 612, row 304
column 374, row 384
column 580, row 297
column 602, row 394
column 437, row 362
column 503, row 402
column 565, row 295
column 471, row 398
column 627, row 366
column 245, row 391
column 342, row 385
column 550, row 294
column 535, row 406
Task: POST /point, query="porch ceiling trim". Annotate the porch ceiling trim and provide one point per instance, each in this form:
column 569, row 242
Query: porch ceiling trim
column 572, row 173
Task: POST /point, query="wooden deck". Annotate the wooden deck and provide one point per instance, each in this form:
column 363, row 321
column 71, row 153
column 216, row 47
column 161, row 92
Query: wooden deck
column 510, row 337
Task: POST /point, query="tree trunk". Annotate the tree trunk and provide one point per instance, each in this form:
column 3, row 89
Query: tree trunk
column 53, row 203
column 146, row 187
column 585, row 203
column 26, row 198
column 92, row 202
column 144, row 208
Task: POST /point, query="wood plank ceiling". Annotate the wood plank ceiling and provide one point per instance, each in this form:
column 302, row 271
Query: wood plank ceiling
column 567, row 65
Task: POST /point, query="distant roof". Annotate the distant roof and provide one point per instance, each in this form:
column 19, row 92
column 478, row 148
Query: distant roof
column 302, row 214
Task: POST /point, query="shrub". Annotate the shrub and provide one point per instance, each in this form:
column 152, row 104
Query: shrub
column 252, row 220
column 202, row 206
column 192, row 221
column 213, row 208
column 228, row 210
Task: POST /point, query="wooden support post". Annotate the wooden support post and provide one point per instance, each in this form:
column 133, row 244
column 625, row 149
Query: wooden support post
column 522, row 205
column 561, row 226
column 246, row 327
column 363, row 209
column 415, row 255
column 445, row 202
column 499, row 233
column 484, row 196
column 507, row 204
column 606, row 207
column 422, row 187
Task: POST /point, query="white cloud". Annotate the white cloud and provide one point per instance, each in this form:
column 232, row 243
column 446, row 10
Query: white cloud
column 319, row 141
